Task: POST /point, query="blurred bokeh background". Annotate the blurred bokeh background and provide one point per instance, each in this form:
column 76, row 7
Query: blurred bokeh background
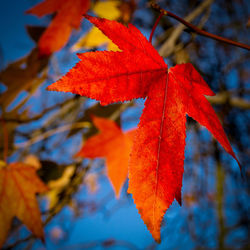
column 47, row 128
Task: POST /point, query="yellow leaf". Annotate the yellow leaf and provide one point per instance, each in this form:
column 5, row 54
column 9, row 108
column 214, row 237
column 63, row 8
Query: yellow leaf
column 94, row 38
column 107, row 9
column 18, row 186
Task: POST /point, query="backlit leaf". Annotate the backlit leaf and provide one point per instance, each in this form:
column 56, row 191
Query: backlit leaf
column 157, row 156
column 94, row 38
column 107, row 9
column 68, row 16
column 115, row 146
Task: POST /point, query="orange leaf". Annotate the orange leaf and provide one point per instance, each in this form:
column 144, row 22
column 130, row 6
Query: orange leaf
column 69, row 15
column 115, row 146
column 18, row 186
column 157, row 156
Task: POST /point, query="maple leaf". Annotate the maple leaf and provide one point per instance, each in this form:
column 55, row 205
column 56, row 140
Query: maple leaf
column 112, row 144
column 94, row 37
column 157, row 156
column 99, row 74
column 108, row 9
column 18, row 186
column 69, row 15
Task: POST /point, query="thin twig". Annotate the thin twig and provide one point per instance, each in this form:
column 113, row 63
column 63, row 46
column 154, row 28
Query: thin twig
column 169, row 46
column 197, row 30
column 224, row 97
column 155, row 25
column 52, row 132
column 38, row 116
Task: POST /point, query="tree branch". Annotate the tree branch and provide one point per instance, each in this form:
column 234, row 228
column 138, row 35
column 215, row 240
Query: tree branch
column 199, row 31
column 170, row 44
column 52, row 132
column 224, row 97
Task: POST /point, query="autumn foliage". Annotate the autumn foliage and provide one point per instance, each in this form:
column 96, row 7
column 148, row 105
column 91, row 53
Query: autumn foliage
column 68, row 16
column 18, row 186
column 156, row 167
column 151, row 155
column 115, row 146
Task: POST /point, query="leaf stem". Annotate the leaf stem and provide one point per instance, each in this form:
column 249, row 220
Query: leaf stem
column 197, row 30
column 5, row 140
column 155, row 25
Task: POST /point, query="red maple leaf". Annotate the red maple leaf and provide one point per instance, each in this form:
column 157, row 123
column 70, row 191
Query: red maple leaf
column 68, row 15
column 157, row 157
column 112, row 144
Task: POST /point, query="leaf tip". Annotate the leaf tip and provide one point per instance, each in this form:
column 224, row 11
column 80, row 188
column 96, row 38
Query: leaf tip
column 178, row 197
column 158, row 241
column 78, row 154
column 117, row 193
column 52, row 87
column 156, row 235
column 88, row 17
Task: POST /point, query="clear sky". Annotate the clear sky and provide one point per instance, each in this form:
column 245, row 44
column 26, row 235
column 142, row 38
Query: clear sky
column 14, row 41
